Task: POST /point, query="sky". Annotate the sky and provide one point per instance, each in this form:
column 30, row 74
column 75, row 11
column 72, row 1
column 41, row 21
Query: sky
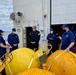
column 6, row 8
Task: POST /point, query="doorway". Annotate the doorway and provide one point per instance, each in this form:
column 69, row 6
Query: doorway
column 28, row 31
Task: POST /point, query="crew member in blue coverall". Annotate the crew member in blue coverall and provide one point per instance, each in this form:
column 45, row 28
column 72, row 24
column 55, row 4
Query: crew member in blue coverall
column 68, row 40
column 3, row 47
column 13, row 40
column 73, row 29
column 52, row 40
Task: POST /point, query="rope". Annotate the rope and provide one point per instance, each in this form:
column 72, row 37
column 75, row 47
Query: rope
column 43, row 47
column 72, row 54
column 31, row 62
column 53, row 61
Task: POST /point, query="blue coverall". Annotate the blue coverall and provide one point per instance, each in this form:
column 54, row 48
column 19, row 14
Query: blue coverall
column 52, row 42
column 13, row 39
column 67, row 38
column 2, row 51
column 74, row 32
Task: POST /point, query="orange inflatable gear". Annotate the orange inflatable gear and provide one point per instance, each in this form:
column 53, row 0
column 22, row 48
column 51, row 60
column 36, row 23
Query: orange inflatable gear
column 61, row 63
column 36, row 71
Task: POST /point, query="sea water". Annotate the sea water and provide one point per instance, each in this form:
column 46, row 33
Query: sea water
column 6, row 33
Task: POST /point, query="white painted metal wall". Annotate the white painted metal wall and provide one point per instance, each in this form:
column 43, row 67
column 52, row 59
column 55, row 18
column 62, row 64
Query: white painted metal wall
column 33, row 14
column 63, row 11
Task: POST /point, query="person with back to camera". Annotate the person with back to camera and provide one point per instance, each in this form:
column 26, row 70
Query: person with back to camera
column 68, row 40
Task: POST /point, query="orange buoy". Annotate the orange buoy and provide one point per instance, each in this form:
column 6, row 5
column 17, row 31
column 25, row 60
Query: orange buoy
column 61, row 63
column 36, row 71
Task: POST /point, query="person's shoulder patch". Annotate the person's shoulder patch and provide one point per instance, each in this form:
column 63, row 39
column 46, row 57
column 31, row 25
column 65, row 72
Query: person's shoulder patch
column 67, row 35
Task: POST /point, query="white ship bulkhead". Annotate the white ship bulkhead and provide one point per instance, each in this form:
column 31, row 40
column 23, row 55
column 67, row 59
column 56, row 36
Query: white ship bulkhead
column 37, row 12
column 34, row 12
